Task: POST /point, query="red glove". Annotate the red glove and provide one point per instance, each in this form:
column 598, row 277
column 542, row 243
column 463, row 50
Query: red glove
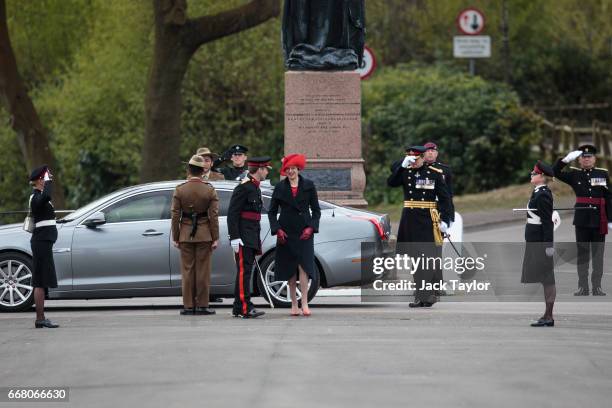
column 281, row 237
column 307, row 233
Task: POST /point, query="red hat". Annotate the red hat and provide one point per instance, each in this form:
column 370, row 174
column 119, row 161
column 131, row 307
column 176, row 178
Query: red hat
column 430, row 146
column 293, row 160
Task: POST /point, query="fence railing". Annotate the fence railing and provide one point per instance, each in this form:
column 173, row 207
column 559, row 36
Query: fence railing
column 559, row 139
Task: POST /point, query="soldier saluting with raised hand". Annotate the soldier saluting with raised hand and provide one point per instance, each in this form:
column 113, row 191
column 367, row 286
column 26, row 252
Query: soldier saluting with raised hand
column 592, row 188
column 238, row 169
column 425, row 217
column 243, row 217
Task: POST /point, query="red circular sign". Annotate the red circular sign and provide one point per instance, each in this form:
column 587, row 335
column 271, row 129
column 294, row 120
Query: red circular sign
column 471, row 21
column 369, row 64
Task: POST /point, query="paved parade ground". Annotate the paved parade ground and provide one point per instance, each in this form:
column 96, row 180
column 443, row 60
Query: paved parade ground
column 140, row 352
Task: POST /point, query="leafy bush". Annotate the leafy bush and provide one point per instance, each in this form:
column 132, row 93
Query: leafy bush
column 480, row 127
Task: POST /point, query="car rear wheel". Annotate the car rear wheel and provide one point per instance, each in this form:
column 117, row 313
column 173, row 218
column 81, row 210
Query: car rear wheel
column 279, row 290
column 16, row 290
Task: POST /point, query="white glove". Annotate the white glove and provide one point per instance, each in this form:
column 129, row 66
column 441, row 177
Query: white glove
column 450, row 224
column 571, row 156
column 408, row 160
column 47, row 177
column 236, row 244
column 443, row 227
column 610, row 227
column 550, row 252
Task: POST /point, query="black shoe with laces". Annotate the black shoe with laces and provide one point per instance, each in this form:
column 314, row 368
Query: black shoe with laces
column 582, row 292
column 45, row 323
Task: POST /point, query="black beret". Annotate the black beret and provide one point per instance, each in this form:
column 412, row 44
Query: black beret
column 38, row 172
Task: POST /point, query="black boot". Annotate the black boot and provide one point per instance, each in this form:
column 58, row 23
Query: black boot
column 582, row 292
column 598, row 292
column 188, row 311
column 205, row 311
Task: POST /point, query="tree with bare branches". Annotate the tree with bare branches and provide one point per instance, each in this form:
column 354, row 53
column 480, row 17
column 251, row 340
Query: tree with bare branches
column 32, row 136
column 177, row 38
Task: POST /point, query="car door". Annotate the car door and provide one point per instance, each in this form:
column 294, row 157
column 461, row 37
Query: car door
column 223, row 265
column 131, row 250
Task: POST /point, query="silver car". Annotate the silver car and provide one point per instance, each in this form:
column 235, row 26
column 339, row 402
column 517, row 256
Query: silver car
column 119, row 246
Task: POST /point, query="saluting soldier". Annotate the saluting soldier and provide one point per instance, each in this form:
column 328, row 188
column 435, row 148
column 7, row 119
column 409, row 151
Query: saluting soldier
column 431, row 159
column 209, row 157
column 422, row 224
column 239, row 168
column 592, row 188
column 243, row 224
column 195, row 231
column 41, row 242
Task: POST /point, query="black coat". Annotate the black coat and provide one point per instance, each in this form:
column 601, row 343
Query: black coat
column 42, row 210
column 447, row 175
column 295, row 215
column 591, row 183
column 246, row 197
column 422, row 184
column 537, row 267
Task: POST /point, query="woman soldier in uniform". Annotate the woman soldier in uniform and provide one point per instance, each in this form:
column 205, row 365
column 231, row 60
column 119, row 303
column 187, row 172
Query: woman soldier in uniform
column 538, row 265
column 299, row 220
column 43, row 238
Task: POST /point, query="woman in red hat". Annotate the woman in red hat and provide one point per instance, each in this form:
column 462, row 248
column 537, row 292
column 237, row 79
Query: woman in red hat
column 297, row 199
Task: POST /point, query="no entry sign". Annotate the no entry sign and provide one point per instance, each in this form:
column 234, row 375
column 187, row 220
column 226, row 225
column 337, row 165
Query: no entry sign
column 471, row 21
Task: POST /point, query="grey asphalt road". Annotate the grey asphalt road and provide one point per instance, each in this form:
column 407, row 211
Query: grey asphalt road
column 140, row 352
column 515, row 232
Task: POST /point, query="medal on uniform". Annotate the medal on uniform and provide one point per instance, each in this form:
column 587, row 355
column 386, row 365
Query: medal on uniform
column 599, row 181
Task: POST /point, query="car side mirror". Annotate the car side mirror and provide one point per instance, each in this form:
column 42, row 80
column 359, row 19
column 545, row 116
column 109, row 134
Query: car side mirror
column 95, row 220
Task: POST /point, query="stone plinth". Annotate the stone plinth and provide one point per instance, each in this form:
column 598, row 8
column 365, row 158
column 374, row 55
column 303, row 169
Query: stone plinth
column 323, row 122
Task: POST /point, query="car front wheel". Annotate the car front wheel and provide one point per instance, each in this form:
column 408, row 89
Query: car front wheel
column 279, row 290
column 16, row 290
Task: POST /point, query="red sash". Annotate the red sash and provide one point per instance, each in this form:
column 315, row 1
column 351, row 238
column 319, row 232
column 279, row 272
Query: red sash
column 601, row 203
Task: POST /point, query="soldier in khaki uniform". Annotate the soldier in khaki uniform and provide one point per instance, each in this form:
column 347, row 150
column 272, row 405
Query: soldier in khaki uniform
column 209, row 157
column 195, row 231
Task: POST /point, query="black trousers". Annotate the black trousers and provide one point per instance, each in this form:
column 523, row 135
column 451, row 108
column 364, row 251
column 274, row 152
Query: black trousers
column 590, row 245
column 245, row 258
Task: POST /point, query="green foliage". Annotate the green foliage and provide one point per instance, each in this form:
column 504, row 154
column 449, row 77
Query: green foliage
column 233, row 93
column 86, row 63
column 482, row 131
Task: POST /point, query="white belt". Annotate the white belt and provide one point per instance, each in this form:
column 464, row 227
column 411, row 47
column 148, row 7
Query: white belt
column 45, row 223
column 529, row 221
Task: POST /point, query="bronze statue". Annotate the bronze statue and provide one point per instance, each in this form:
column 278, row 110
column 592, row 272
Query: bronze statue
column 323, row 34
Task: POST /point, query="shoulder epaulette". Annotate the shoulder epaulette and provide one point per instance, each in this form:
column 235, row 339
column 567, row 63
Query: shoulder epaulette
column 245, row 180
column 601, row 168
column 436, row 169
column 575, row 168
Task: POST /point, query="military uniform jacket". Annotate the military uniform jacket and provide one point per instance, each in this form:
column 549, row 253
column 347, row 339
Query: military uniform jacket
column 422, row 184
column 42, row 210
column 539, row 226
column 213, row 176
column 233, row 173
column 246, row 198
column 200, row 197
column 447, row 175
column 592, row 183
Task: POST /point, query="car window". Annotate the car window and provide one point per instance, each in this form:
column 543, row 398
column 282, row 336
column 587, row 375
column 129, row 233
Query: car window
column 224, row 199
column 226, row 195
column 142, row 207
